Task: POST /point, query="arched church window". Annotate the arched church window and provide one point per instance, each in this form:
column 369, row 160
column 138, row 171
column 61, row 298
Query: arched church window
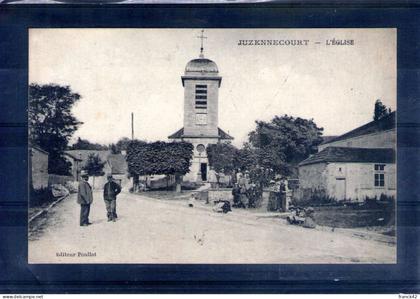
column 201, row 148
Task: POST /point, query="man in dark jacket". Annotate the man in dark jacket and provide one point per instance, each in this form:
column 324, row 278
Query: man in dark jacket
column 84, row 198
column 111, row 190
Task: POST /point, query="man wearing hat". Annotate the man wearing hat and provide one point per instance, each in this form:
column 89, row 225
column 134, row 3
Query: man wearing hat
column 84, row 198
column 283, row 189
column 111, row 190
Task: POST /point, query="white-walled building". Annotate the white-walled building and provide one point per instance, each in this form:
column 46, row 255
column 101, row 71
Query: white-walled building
column 355, row 165
column 201, row 83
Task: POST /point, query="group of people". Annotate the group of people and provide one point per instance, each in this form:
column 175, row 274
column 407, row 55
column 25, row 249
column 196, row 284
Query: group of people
column 245, row 192
column 248, row 189
column 278, row 198
column 219, row 179
column 85, row 198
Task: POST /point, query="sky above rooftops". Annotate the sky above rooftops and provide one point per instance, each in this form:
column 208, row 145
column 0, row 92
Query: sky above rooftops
column 119, row 71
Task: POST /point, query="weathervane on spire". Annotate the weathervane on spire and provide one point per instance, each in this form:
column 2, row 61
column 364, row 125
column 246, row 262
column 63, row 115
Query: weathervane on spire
column 202, row 37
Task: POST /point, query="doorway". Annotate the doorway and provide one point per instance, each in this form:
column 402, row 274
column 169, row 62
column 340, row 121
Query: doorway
column 340, row 188
column 203, row 170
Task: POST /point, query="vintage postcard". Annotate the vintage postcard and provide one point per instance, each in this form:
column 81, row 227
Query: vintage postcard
column 212, row 146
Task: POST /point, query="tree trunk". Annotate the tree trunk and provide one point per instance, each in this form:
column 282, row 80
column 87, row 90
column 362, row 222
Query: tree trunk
column 177, row 183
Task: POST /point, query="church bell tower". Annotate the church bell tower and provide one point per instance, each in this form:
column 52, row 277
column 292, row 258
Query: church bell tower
column 201, row 82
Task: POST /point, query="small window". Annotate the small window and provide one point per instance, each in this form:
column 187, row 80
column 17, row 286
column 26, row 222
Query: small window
column 379, row 175
column 380, row 167
column 379, row 179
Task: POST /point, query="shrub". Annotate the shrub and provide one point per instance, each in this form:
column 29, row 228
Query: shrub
column 314, row 197
column 39, row 197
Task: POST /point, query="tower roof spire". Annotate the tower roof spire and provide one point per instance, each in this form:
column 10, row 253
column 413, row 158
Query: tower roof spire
column 202, row 37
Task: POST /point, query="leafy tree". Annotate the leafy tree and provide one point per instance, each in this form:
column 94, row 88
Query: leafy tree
column 159, row 158
column 380, row 110
column 222, row 157
column 83, row 144
column 94, row 166
column 245, row 158
column 51, row 122
column 284, row 142
column 113, row 149
column 121, row 145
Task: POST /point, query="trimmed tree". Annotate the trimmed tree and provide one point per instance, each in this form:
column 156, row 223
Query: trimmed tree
column 159, row 158
column 94, row 166
column 83, row 144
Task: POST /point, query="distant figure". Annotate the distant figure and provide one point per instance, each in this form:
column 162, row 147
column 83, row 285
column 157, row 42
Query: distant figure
column 192, row 201
column 236, row 192
column 212, row 178
column 252, row 195
column 273, row 196
column 247, row 180
column 238, row 176
column 84, row 198
column 111, row 190
column 283, row 189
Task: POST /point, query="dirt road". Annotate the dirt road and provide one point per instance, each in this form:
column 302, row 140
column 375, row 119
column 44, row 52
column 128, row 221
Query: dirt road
column 153, row 231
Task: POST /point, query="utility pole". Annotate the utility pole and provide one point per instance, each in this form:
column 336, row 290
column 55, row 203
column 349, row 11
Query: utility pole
column 132, row 126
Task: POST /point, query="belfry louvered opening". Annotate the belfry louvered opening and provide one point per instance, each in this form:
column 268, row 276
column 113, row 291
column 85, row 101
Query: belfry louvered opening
column 200, row 96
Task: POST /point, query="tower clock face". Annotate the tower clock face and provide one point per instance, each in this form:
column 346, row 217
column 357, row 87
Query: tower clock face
column 201, row 119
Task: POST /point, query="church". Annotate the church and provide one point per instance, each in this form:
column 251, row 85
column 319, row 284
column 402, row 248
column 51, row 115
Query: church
column 201, row 82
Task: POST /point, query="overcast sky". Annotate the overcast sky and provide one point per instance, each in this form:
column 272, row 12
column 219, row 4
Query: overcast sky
column 119, row 71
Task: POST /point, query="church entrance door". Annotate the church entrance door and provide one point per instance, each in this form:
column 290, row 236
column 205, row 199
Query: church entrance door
column 203, row 170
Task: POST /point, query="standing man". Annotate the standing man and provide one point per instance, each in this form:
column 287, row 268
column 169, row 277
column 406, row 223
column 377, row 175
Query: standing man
column 84, row 198
column 111, row 190
column 283, row 189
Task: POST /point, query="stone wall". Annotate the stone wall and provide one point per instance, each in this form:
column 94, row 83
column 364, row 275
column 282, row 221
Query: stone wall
column 226, row 194
column 221, row 194
column 312, row 176
column 59, row 179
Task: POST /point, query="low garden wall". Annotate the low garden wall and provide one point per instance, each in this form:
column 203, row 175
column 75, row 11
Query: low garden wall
column 226, row 194
column 59, row 179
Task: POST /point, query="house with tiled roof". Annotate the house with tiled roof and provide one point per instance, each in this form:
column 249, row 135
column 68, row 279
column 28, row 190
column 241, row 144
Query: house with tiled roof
column 115, row 164
column 355, row 165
